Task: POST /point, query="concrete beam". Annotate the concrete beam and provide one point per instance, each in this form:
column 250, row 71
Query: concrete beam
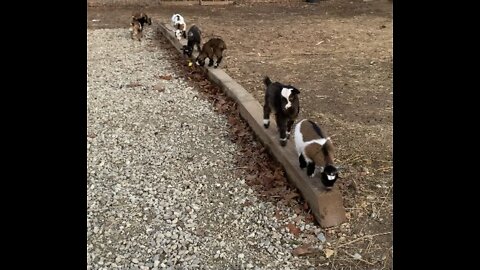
column 327, row 206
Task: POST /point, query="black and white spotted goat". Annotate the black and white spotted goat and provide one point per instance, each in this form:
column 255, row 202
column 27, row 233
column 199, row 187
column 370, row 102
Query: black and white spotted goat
column 194, row 37
column 179, row 25
column 314, row 148
column 283, row 100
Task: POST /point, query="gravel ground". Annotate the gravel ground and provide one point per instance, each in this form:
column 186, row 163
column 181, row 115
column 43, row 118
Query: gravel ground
column 162, row 188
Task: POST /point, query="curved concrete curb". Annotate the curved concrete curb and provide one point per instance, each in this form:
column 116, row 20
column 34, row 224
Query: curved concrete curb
column 327, row 206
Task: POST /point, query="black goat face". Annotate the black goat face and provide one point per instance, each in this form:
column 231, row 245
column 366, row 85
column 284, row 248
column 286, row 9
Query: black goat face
column 329, row 176
column 187, row 50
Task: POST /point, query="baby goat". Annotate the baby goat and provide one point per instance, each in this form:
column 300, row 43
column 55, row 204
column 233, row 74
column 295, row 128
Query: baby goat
column 142, row 18
column 180, row 26
column 315, row 148
column 283, row 100
column 194, row 37
column 213, row 48
column 136, row 30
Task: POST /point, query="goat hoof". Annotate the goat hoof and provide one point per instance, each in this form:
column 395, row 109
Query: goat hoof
column 283, row 143
column 266, row 125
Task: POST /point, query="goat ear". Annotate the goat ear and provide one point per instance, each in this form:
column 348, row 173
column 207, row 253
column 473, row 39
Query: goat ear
column 295, row 91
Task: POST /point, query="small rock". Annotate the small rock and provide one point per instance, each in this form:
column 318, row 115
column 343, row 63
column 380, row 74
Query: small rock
column 160, row 87
column 321, row 237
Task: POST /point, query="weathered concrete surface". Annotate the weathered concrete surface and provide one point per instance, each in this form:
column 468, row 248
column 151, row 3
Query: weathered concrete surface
column 327, row 206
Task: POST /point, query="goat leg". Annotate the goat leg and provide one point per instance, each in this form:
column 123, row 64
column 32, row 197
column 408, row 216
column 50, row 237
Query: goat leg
column 266, row 115
column 282, row 129
column 303, row 162
column 219, row 60
column 311, row 169
column 289, row 127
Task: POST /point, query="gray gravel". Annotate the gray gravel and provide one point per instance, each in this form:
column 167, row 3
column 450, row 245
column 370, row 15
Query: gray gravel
column 161, row 188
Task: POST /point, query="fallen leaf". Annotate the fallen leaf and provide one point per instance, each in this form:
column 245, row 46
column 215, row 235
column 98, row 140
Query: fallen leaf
column 278, row 174
column 232, row 120
column 277, row 190
column 251, row 177
column 221, row 101
column 291, row 195
column 165, row 77
column 293, row 229
column 203, row 83
column 303, row 250
column 328, row 253
column 242, row 133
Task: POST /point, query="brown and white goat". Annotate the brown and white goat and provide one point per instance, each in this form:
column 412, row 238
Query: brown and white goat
column 136, row 30
column 212, row 50
column 314, row 148
column 283, row 101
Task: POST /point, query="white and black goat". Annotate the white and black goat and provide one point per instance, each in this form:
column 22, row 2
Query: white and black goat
column 194, row 37
column 179, row 25
column 283, row 100
column 314, row 148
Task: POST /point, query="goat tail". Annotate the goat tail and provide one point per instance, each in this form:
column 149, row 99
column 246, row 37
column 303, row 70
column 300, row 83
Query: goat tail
column 267, row 81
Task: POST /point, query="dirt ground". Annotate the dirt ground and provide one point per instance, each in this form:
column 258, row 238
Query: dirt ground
column 340, row 55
